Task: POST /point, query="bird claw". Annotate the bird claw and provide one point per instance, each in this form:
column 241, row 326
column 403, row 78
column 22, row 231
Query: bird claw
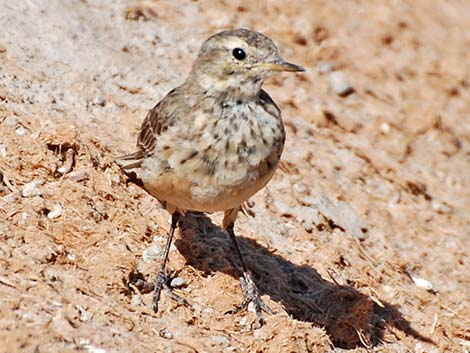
column 163, row 282
column 251, row 295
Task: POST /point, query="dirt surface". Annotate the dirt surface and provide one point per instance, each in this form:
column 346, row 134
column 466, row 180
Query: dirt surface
column 360, row 242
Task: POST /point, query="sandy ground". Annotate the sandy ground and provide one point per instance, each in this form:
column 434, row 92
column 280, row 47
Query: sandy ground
column 360, row 242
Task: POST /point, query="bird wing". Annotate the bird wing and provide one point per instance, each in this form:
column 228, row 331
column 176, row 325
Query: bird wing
column 157, row 120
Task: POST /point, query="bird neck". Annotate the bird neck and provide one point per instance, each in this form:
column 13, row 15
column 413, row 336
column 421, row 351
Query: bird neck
column 229, row 87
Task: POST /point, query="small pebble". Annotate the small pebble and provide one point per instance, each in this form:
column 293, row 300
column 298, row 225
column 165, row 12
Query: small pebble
column 136, row 300
column 84, row 315
column 164, row 333
column 62, row 170
column 152, row 253
column 385, row 128
column 78, row 175
column 301, row 188
column 93, row 349
column 222, row 340
column 56, row 212
column 24, row 217
column 324, row 67
column 243, row 321
column 20, row 131
column 251, row 307
column 423, row 283
column 31, row 189
column 339, row 84
column 99, row 100
column 177, row 282
column 3, row 150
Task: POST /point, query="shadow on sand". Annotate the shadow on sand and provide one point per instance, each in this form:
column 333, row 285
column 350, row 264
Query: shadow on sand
column 350, row 318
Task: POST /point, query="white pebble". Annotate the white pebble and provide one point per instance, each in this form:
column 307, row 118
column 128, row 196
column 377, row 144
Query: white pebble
column 177, row 282
column 423, row 283
column 3, row 150
column 56, row 212
column 99, row 100
column 20, row 131
column 84, row 314
column 243, row 321
column 77, row 175
column 24, row 217
column 31, row 189
column 164, row 333
column 222, row 340
column 62, row 170
column 152, row 253
column 301, row 188
column 385, row 128
column 339, row 84
column 93, row 349
column 136, row 300
column 324, row 67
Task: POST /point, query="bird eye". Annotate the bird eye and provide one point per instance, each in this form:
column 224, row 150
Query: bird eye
column 238, row 53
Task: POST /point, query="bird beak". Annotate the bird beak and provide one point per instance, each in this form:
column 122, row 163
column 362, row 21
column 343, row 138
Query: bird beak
column 281, row 65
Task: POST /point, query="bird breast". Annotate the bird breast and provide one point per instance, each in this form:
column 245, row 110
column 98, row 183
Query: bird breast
column 227, row 154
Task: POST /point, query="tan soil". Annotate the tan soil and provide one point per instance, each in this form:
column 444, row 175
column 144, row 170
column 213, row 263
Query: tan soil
column 373, row 197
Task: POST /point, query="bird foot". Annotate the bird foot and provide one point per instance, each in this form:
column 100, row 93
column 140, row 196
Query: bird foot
column 163, row 282
column 251, row 295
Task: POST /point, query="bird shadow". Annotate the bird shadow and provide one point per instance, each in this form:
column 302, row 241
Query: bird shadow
column 349, row 317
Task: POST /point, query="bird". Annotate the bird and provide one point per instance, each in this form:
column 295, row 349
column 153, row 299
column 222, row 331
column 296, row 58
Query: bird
column 213, row 142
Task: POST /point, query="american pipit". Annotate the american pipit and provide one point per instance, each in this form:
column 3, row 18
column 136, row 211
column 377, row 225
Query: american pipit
column 213, row 142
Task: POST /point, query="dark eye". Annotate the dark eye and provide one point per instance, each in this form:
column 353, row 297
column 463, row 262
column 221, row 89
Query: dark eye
column 238, row 54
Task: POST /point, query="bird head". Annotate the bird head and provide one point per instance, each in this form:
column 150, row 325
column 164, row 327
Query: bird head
column 238, row 60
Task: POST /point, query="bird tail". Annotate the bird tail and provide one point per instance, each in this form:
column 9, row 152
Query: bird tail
column 130, row 161
column 130, row 165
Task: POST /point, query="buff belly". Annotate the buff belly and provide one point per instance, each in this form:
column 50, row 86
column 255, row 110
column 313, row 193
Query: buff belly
column 184, row 194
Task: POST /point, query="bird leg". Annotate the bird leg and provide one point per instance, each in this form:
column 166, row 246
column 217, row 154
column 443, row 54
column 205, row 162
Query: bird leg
column 163, row 280
column 250, row 291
